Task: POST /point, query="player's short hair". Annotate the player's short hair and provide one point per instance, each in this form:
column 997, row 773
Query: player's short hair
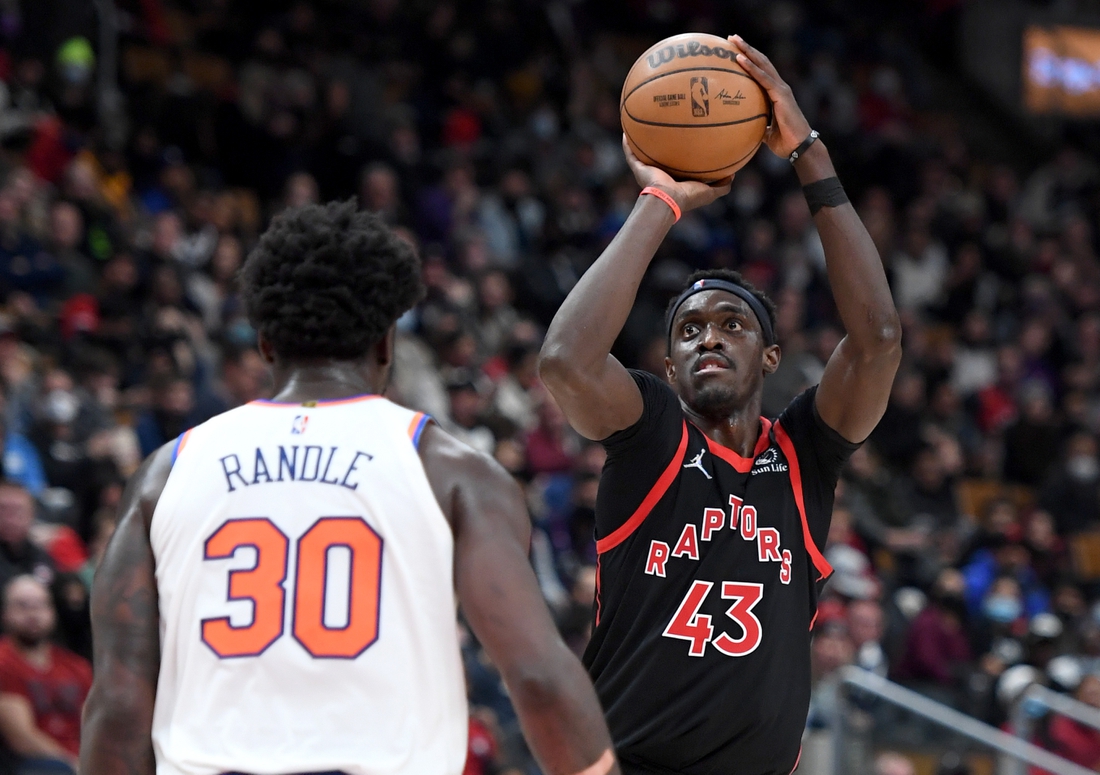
column 730, row 276
column 328, row 281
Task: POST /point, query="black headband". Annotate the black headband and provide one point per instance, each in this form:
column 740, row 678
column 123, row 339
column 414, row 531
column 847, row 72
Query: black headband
column 724, row 285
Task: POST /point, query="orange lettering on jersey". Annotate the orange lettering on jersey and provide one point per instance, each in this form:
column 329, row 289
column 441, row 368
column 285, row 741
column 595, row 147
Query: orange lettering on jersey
column 688, row 545
column 262, row 584
column 361, row 629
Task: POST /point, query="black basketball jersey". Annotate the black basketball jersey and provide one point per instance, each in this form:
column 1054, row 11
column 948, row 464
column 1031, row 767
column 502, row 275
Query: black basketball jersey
column 710, row 566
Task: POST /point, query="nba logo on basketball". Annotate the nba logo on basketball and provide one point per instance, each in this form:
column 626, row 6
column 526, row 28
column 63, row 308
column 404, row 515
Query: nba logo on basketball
column 299, row 426
column 700, row 104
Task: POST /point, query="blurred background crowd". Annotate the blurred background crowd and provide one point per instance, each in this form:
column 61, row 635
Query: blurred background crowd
column 965, row 534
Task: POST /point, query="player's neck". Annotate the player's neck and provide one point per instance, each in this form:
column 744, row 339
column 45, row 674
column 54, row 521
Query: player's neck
column 737, row 430
column 326, row 380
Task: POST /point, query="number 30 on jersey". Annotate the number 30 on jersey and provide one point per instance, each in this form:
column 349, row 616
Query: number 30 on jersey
column 263, row 585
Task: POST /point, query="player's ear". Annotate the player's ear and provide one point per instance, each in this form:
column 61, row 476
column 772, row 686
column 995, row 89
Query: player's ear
column 267, row 352
column 772, row 356
column 670, row 370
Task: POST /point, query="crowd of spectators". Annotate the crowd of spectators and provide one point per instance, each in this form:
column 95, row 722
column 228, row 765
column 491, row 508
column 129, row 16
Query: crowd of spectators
column 487, row 134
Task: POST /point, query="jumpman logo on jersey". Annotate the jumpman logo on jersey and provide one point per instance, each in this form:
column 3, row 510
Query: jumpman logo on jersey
column 697, row 462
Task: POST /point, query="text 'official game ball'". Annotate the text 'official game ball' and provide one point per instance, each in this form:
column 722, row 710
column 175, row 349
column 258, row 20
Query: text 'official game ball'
column 688, row 108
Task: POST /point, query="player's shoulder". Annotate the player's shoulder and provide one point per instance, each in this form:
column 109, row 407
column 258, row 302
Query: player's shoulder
column 445, row 457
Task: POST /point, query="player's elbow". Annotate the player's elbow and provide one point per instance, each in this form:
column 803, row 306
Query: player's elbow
column 882, row 335
column 536, row 687
column 117, row 705
column 555, row 365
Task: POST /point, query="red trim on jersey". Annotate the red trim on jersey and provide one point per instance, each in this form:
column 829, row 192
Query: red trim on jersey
column 796, row 761
column 785, row 444
column 609, row 542
column 814, row 620
column 597, row 590
column 741, row 464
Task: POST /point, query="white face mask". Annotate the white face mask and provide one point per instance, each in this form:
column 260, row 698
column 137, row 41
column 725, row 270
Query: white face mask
column 1083, row 468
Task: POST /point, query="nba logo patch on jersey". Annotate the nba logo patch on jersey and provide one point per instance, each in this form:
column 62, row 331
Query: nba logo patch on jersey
column 299, row 425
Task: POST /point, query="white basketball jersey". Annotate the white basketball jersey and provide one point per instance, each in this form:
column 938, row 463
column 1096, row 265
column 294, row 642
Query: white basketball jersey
column 307, row 600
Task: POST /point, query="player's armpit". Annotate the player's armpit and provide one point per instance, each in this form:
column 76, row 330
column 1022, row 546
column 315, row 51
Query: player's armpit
column 116, row 735
column 553, row 696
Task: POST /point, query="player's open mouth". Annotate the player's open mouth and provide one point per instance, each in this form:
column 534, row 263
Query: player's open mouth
column 711, row 363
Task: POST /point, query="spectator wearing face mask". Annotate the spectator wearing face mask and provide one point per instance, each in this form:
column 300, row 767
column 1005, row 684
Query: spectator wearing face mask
column 1002, row 616
column 1072, row 491
column 1004, row 557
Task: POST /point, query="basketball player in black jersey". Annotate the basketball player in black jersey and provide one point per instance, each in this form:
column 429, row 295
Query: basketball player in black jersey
column 711, row 520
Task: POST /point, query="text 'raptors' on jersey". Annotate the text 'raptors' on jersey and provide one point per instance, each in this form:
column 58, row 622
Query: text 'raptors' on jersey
column 303, row 561
column 709, row 564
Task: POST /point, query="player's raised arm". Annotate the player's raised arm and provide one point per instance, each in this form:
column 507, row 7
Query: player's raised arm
column 596, row 393
column 856, row 385
column 553, row 696
column 116, row 734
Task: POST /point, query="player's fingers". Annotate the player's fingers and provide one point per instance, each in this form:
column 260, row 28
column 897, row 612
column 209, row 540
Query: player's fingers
column 631, row 160
column 721, row 188
column 757, row 57
column 630, row 157
column 757, row 73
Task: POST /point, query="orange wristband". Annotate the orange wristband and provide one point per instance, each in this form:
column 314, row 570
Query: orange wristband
column 668, row 200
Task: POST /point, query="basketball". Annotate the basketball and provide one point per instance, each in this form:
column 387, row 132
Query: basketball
column 690, row 109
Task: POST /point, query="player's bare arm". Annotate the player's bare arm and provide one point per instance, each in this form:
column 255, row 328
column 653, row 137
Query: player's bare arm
column 553, row 696
column 116, row 736
column 856, row 384
column 594, row 390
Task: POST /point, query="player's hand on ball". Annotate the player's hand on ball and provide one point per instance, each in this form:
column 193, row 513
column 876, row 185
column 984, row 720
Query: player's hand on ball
column 688, row 194
column 789, row 127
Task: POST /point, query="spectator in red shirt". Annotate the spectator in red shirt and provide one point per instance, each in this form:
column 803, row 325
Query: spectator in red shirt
column 1071, row 739
column 42, row 686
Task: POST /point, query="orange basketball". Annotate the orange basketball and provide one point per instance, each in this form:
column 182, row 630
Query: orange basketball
column 688, row 108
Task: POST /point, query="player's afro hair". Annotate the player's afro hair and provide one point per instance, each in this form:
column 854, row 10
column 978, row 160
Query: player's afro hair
column 729, row 276
column 327, row 281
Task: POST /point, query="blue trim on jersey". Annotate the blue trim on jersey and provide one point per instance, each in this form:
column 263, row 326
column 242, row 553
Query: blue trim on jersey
column 420, row 429
column 176, row 448
column 321, row 402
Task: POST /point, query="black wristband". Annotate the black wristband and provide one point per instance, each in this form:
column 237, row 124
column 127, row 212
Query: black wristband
column 824, row 193
column 803, row 146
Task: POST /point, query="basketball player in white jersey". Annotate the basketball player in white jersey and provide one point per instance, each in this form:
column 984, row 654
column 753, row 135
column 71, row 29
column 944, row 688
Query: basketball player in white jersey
column 279, row 596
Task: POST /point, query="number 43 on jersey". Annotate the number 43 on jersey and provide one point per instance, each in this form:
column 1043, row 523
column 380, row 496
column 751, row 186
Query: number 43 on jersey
column 696, row 628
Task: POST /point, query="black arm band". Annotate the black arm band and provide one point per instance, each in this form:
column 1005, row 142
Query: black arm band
column 824, row 193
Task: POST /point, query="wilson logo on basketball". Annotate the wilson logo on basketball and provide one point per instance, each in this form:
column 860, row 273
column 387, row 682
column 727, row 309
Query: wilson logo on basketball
column 691, row 48
column 700, row 104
